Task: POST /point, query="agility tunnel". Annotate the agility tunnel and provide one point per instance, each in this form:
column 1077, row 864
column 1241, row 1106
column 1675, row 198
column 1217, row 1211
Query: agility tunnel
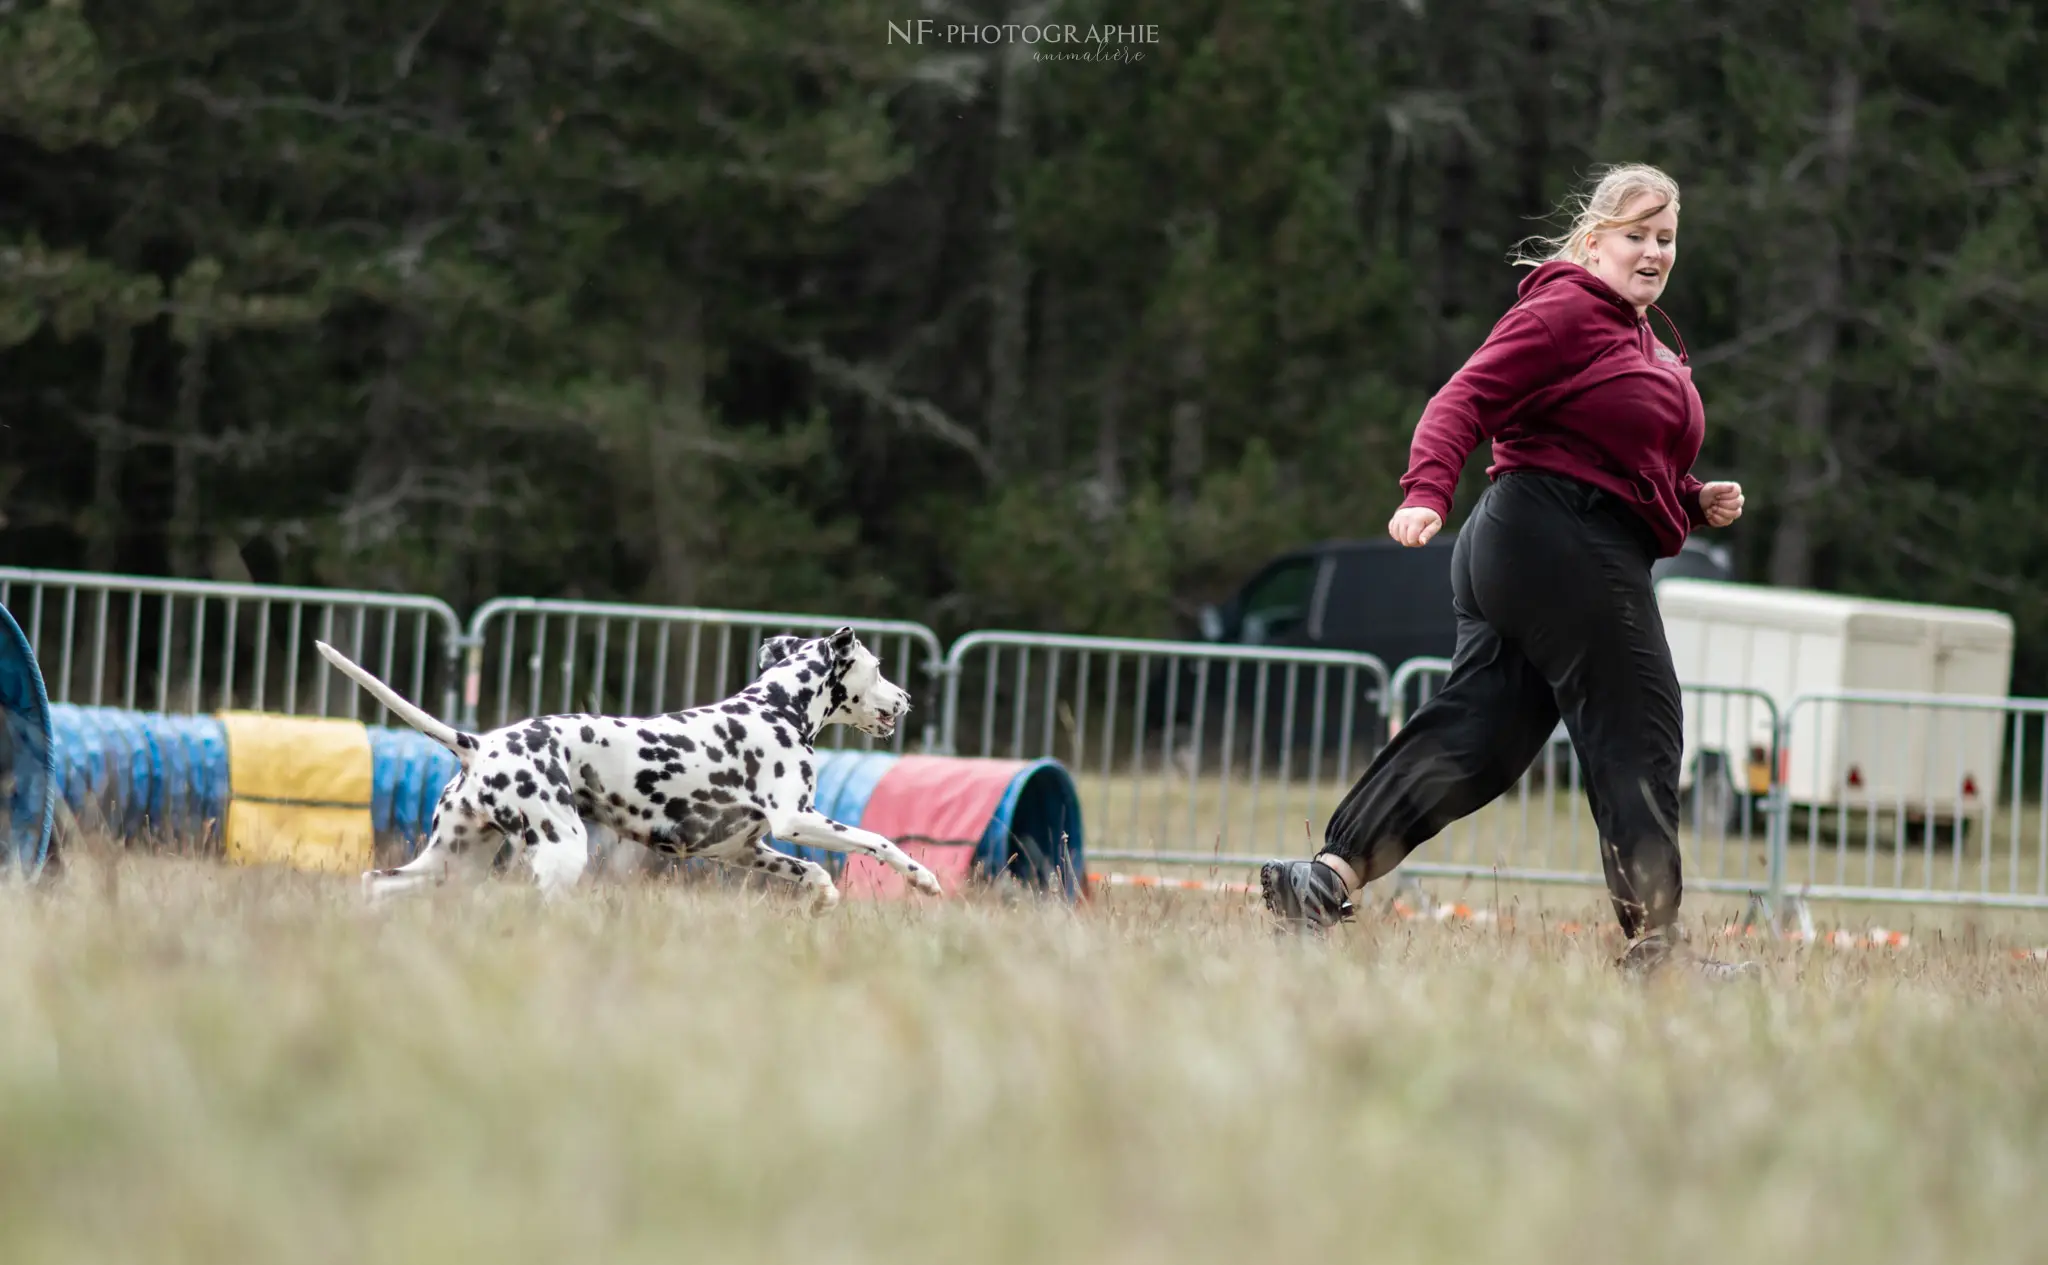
column 330, row 794
column 27, row 761
column 961, row 817
column 314, row 792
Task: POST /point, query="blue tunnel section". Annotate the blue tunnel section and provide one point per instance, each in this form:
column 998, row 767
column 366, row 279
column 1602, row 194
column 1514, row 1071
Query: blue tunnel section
column 1035, row 833
column 141, row 773
column 407, row 772
column 27, row 761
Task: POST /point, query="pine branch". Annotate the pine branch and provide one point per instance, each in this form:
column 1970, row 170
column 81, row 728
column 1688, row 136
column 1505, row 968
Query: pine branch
column 871, row 383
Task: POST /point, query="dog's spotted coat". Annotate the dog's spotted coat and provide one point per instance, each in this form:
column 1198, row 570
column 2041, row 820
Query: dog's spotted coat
column 713, row 781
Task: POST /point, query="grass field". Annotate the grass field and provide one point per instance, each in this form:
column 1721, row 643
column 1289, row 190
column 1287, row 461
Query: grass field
column 206, row 1064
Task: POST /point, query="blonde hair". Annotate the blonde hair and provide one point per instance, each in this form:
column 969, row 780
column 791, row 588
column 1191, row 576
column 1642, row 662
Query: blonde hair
column 1601, row 209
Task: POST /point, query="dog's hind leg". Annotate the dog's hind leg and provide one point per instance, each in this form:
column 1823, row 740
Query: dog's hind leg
column 458, row 834
column 815, row 829
column 808, row 874
column 428, row 869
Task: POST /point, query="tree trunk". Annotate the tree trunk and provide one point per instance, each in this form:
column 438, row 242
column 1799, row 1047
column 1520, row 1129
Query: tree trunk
column 1532, row 150
column 1460, row 186
column 1109, row 465
column 1793, row 545
column 1047, row 390
column 1009, row 270
column 188, row 557
column 1608, row 35
column 1192, row 288
column 678, row 475
column 1184, row 454
column 102, row 526
column 386, row 455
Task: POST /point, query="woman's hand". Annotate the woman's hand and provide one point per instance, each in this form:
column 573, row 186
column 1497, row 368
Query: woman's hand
column 1721, row 503
column 1414, row 525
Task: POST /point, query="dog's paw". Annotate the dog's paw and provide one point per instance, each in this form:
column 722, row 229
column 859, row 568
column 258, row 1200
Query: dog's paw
column 825, row 898
column 927, row 882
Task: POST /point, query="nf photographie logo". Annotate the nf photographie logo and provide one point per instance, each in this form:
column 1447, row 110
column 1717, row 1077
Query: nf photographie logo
column 1049, row 41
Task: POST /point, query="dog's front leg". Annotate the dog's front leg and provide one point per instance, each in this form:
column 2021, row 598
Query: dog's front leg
column 815, row 829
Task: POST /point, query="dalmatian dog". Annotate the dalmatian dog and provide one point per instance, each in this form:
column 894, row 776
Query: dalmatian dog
column 713, row 781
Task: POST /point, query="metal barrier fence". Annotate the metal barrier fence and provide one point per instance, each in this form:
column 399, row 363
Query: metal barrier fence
column 1542, row 831
column 1916, row 799
column 1413, row 684
column 1184, row 752
column 1174, row 746
column 197, row 646
column 528, row 656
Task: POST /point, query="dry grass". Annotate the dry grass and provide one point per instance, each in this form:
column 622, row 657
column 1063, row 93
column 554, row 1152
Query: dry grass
column 206, row 1064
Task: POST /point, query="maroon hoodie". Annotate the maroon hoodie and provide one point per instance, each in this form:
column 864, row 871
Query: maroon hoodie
column 1571, row 381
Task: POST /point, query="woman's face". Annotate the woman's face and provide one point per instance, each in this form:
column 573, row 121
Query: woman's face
column 1636, row 258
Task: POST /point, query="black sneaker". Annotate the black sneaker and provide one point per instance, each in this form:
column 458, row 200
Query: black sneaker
column 1304, row 896
column 1647, row 955
column 1654, row 952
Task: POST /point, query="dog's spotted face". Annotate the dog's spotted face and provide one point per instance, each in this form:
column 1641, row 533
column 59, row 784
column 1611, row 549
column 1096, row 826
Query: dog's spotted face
column 847, row 676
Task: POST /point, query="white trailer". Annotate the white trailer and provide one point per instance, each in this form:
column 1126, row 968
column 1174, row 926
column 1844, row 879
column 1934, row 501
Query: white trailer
column 1921, row 761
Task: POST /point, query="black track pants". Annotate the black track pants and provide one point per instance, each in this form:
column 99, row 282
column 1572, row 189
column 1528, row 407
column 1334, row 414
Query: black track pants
column 1556, row 617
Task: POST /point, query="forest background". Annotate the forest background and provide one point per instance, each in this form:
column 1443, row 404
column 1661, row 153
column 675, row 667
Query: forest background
column 803, row 306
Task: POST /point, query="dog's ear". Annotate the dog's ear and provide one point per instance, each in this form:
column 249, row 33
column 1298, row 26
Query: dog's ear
column 774, row 650
column 841, row 642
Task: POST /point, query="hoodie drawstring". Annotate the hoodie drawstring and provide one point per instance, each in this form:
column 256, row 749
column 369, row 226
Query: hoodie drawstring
column 1676, row 337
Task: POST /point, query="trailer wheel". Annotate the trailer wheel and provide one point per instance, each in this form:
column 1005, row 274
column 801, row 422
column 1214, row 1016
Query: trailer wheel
column 1937, row 831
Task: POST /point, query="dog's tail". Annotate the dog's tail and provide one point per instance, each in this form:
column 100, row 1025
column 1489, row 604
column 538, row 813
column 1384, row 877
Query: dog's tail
column 462, row 744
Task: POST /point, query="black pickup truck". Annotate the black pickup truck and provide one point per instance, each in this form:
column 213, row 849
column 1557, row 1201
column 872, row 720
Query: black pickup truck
column 1378, row 597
